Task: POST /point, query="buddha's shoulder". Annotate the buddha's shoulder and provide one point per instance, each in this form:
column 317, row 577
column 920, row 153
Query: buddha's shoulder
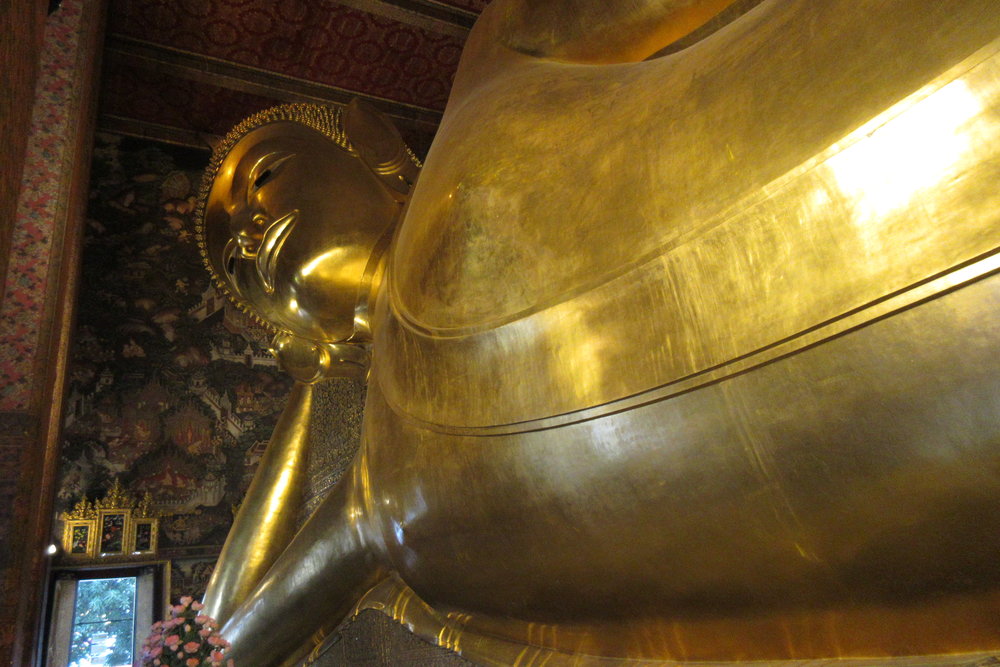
column 551, row 179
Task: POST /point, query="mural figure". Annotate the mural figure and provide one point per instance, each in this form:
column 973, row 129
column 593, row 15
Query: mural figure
column 691, row 357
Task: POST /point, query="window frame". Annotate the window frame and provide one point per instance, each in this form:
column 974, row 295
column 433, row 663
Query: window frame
column 146, row 611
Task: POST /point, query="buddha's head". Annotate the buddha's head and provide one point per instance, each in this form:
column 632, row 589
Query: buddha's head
column 298, row 205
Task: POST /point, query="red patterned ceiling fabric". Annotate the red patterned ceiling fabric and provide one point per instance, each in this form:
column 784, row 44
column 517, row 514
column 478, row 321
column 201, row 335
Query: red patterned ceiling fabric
column 318, row 40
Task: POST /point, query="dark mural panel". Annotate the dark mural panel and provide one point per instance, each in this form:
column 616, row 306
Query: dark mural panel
column 172, row 389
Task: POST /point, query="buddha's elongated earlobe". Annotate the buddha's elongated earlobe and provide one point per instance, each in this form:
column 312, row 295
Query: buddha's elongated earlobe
column 380, row 146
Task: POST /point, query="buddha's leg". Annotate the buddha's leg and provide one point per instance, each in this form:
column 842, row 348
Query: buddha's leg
column 314, row 584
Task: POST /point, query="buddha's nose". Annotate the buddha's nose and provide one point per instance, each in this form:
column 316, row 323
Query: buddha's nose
column 249, row 232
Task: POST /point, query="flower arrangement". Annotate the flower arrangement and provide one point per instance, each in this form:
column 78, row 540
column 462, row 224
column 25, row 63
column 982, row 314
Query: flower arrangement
column 187, row 639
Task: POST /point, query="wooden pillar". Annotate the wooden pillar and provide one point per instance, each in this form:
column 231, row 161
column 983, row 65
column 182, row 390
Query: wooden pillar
column 40, row 244
column 22, row 24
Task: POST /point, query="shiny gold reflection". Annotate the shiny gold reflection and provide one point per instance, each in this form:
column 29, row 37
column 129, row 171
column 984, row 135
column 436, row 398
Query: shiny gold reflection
column 921, row 148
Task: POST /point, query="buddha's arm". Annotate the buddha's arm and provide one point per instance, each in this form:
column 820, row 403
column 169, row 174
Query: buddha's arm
column 597, row 31
column 268, row 515
column 329, row 565
column 270, row 510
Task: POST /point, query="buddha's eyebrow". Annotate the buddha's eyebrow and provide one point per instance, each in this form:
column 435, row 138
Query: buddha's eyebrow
column 263, row 169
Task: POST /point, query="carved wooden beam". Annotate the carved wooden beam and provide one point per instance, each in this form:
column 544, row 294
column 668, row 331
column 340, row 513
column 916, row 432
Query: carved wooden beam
column 427, row 14
column 143, row 129
column 120, row 49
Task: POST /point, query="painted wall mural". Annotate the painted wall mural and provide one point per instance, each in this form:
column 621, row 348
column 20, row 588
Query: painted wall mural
column 189, row 576
column 172, row 390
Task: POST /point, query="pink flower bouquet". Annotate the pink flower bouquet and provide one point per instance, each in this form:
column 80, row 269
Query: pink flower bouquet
column 187, row 639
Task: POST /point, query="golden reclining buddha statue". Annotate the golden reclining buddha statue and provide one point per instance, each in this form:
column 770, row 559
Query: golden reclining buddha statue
column 690, row 357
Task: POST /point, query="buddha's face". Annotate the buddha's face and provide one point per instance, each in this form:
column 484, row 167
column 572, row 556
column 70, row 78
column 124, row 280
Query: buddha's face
column 290, row 224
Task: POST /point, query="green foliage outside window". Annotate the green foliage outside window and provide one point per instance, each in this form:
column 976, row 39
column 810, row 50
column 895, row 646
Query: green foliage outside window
column 103, row 623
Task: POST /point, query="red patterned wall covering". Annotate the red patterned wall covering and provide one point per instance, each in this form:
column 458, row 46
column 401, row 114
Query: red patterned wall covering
column 155, row 97
column 27, row 271
column 317, row 40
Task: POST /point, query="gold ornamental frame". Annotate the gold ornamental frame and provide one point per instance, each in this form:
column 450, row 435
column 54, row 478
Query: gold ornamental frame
column 115, row 527
column 80, row 538
column 143, row 537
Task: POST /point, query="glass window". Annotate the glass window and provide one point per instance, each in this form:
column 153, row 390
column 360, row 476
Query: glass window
column 99, row 617
column 103, row 623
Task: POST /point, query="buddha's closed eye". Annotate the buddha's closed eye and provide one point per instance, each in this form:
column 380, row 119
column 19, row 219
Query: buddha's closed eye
column 265, row 169
column 261, row 178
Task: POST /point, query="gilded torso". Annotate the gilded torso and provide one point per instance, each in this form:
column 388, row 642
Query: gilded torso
column 582, row 234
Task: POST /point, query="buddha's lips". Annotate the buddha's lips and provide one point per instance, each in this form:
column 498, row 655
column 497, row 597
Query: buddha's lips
column 270, row 246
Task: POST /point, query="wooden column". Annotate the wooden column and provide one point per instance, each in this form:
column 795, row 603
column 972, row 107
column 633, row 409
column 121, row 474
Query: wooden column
column 22, row 24
column 41, row 231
